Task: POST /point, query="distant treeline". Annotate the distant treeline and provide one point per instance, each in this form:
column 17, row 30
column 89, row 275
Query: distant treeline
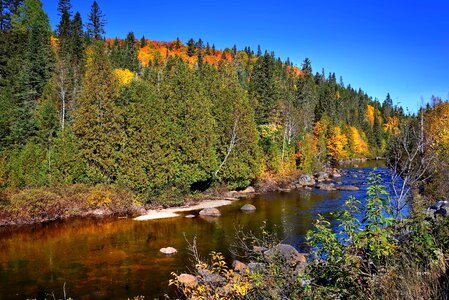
column 162, row 117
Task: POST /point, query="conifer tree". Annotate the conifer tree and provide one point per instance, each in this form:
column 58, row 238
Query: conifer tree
column 95, row 26
column 191, row 48
column 98, row 120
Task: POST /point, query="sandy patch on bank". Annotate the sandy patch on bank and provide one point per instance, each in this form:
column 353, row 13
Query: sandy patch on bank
column 173, row 212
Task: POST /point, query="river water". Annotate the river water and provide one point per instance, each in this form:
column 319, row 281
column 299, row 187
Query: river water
column 119, row 258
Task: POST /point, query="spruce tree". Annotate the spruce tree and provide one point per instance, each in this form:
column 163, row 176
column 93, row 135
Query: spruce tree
column 191, row 50
column 95, row 26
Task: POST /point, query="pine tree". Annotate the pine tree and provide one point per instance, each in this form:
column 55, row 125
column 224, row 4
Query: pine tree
column 95, row 26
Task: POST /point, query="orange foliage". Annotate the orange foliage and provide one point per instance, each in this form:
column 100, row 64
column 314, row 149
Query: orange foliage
column 336, row 144
column 158, row 52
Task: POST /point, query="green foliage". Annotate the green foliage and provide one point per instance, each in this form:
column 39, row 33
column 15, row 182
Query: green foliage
column 344, row 263
column 98, row 120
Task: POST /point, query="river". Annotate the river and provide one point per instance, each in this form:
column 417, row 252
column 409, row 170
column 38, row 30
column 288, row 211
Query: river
column 110, row 258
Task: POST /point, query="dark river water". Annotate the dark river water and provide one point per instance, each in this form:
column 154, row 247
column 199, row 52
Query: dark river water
column 119, row 258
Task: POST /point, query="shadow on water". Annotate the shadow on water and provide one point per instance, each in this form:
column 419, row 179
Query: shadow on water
column 119, row 258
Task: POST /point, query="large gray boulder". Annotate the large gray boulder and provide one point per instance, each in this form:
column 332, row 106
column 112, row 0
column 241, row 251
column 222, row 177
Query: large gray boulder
column 210, row 212
column 286, row 253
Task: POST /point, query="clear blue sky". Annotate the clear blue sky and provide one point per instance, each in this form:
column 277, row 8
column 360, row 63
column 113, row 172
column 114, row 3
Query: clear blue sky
column 401, row 47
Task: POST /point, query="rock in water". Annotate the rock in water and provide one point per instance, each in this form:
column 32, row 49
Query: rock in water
column 190, row 216
column 348, row 188
column 188, row 280
column 326, row 187
column 248, row 207
column 168, row 250
column 211, row 212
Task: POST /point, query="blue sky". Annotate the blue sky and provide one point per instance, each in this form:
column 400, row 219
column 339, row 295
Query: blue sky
column 400, row 47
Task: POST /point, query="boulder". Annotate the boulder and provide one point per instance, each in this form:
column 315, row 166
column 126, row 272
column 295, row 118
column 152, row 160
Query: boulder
column 348, row 188
column 259, row 249
column 326, row 187
column 306, row 180
column 211, row 212
column 168, row 250
column 141, row 211
column 248, row 190
column 240, row 267
column 211, row 277
column 190, row 216
column 336, row 175
column 248, row 208
column 188, row 280
column 322, row 175
column 286, row 253
column 255, row 267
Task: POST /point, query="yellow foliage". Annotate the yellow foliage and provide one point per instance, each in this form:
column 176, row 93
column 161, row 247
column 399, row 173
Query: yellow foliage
column 124, row 76
column 437, row 127
column 391, row 125
column 370, row 114
column 99, row 196
column 358, row 145
column 269, row 130
column 233, row 286
column 336, row 144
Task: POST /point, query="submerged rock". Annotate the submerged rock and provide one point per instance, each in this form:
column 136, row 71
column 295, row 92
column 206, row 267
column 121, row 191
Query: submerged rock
column 211, row 212
column 168, row 250
column 188, row 280
column 326, row 187
column 348, row 188
column 248, row 208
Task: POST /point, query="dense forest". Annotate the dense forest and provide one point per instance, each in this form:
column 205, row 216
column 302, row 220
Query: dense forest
column 157, row 118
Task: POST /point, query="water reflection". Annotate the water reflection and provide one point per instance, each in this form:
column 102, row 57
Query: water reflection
column 111, row 258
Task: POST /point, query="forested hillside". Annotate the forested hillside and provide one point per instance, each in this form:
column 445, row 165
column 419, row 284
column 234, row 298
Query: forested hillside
column 162, row 117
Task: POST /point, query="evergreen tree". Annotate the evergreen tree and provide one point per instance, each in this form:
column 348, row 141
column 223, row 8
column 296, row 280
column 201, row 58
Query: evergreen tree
column 191, row 51
column 64, row 27
column 262, row 88
column 95, row 26
column 143, row 42
column 98, row 120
